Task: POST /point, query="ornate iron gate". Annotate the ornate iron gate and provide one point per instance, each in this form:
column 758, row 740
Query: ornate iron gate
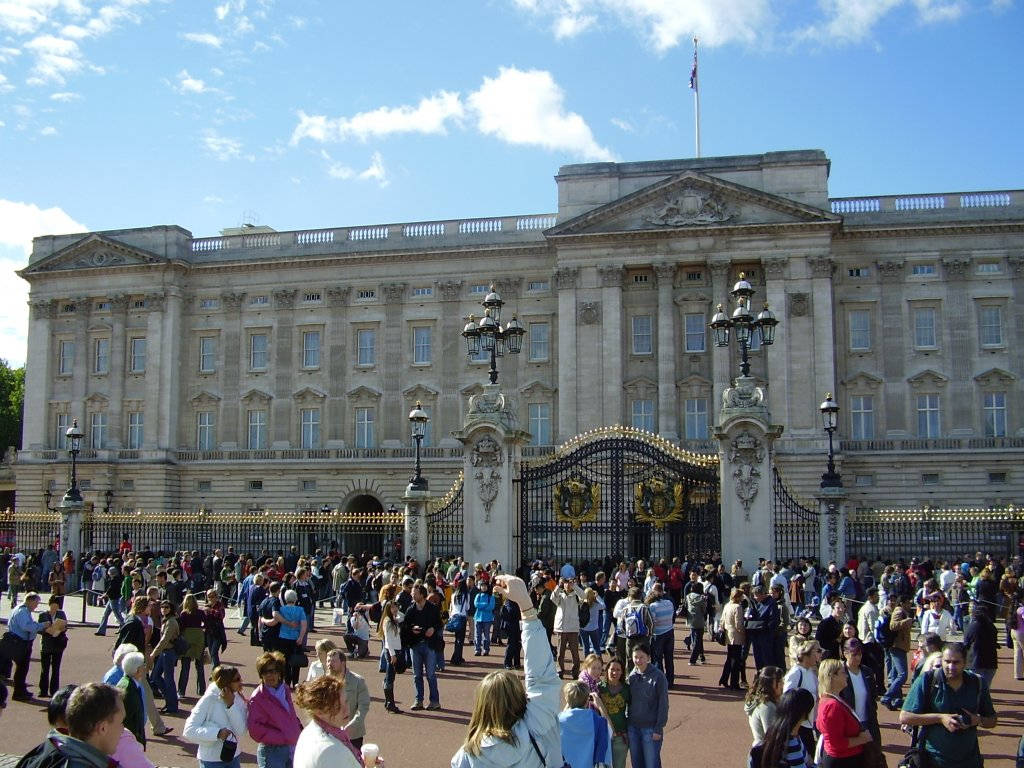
column 796, row 526
column 621, row 493
column 445, row 524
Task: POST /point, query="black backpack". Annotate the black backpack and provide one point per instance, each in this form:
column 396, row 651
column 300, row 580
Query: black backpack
column 584, row 614
column 46, row 755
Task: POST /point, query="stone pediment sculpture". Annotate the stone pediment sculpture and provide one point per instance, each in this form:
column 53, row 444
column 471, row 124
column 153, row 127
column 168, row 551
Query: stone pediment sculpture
column 745, row 454
column 692, row 200
column 93, row 252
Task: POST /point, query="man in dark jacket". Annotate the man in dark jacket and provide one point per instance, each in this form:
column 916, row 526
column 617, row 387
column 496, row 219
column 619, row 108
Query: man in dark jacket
column 423, row 625
column 761, row 619
column 133, row 631
column 981, row 639
column 830, row 630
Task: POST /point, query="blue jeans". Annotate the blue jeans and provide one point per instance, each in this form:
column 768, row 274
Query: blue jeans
column 423, row 664
column 644, row 751
column 163, row 675
column 896, row 663
column 591, row 640
column 985, row 674
column 236, row 763
column 274, row 756
column 483, row 636
column 113, row 604
column 213, row 646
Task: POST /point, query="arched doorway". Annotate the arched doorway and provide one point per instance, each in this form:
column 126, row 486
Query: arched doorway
column 368, row 529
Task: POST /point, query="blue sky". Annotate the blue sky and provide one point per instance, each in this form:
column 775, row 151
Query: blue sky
column 307, row 113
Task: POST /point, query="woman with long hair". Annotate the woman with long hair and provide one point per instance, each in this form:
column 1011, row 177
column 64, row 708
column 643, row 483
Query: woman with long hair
column 164, row 658
column 590, row 633
column 804, row 674
column 192, row 622
column 458, row 617
column 615, row 697
column 782, row 745
column 736, row 635
column 513, row 724
column 389, row 630
column 802, row 633
column 760, row 703
column 842, row 738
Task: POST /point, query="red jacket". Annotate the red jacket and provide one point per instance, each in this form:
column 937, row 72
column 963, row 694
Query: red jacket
column 269, row 723
column 675, row 577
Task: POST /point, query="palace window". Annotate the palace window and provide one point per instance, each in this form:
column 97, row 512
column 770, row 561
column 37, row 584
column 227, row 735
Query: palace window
column 311, row 349
column 924, row 328
column 862, row 417
column 206, row 434
column 696, row 332
column 923, row 270
column 994, row 406
column 860, row 329
column 540, row 423
column 207, row 354
column 65, row 357
column 62, row 423
column 257, row 422
column 421, row 345
column 539, row 338
column 643, row 414
column 928, row 422
column 98, row 430
column 990, row 325
column 642, row 339
column 258, row 352
column 101, row 356
column 423, row 291
column 366, row 345
column 135, row 429
column 696, row 418
column 137, row 361
column 365, row 432
column 309, row 423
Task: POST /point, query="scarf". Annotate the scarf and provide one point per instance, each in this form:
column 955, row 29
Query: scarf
column 340, row 734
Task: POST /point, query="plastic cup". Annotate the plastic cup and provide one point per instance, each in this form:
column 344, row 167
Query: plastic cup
column 370, row 754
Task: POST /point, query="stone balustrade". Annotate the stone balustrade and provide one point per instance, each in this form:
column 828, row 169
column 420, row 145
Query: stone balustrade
column 896, row 203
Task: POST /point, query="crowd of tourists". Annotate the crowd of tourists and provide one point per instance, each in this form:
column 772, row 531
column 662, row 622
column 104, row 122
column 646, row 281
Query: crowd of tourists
column 588, row 653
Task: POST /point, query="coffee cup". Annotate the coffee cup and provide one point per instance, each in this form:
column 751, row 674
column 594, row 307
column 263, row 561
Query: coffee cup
column 370, row 754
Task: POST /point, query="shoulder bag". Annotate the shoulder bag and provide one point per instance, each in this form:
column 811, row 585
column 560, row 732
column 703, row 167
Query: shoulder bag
column 540, row 754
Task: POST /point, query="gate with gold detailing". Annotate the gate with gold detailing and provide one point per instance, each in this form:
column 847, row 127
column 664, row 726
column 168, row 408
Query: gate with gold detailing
column 619, row 493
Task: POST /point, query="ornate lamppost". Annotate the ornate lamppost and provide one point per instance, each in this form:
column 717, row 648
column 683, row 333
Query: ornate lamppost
column 490, row 336
column 72, row 503
column 743, row 325
column 418, row 418
column 74, row 437
column 830, row 421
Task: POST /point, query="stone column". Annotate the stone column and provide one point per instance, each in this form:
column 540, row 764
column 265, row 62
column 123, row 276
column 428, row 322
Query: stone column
column 565, row 282
column 80, row 377
column 453, row 352
column 392, row 409
column 832, row 530
column 720, row 361
column 170, row 352
column 71, row 533
column 415, row 540
column 227, row 420
column 958, row 317
column 154, row 386
column 668, row 417
column 39, row 376
column 492, row 455
column 337, row 338
column 823, row 361
column 746, row 437
column 118, row 368
column 284, row 368
column 893, row 346
column 777, row 355
column 611, row 327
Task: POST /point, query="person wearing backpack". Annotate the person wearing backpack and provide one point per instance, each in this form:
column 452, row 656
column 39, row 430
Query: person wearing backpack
column 663, row 636
column 696, row 607
column 949, row 704
column 896, row 644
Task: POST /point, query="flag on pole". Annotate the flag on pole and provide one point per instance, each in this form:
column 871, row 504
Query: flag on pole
column 693, row 72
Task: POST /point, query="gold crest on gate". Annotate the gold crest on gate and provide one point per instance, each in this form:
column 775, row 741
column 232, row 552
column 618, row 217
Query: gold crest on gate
column 577, row 501
column 659, row 502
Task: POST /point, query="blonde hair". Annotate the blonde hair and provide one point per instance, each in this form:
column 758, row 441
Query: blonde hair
column 575, row 694
column 827, row 670
column 499, row 704
column 189, row 603
column 590, row 596
column 323, row 648
column 807, row 648
column 385, row 618
column 588, row 662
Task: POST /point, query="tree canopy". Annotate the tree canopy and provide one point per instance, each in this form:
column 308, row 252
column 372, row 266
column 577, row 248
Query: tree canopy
column 12, row 402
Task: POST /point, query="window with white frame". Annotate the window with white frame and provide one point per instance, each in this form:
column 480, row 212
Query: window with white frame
column 207, row 354
column 696, row 418
column 98, row 430
column 421, row 345
column 994, row 406
column 365, row 431
column 62, row 423
column 990, row 324
column 928, row 422
column 209, row 303
column 65, row 358
column 258, row 346
column 540, row 334
column 101, row 356
column 695, row 332
column 135, row 429
column 989, row 268
column 422, row 291
column 642, row 412
column 924, row 328
column 206, row 434
column 482, row 355
column 862, row 417
column 257, row 422
column 642, row 339
column 259, row 300
column 366, row 346
column 923, row 270
column 860, row 329
column 478, row 288
column 137, row 356
column 537, row 286
column 309, row 424
column 311, row 349
column 540, row 423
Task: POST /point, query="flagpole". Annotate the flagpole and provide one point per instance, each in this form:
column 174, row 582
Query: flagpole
column 695, row 85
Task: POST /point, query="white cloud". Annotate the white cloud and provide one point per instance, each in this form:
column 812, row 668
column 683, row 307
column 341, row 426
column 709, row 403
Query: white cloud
column 49, row 130
column 528, row 108
column 19, row 223
column 4, row 85
column 189, row 84
column 374, row 172
column 623, row 125
column 65, row 96
column 933, row 11
column 203, row 38
column 223, row 148
column 213, row 200
column 55, row 59
column 429, row 116
column 7, row 53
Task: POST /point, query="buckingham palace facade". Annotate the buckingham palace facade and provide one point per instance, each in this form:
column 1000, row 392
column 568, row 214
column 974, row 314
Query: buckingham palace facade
column 261, row 369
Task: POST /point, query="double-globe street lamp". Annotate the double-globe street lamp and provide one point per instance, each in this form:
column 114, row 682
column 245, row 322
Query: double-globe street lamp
column 489, row 336
column 743, row 325
column 418, row 418
column 830, row 421
column 73, row 497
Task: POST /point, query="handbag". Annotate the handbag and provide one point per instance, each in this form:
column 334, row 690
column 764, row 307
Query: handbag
column 456, row 623
column 180, row 646
column 227, row 750
column 298, row 659
column 206, row 658
column 721, row 637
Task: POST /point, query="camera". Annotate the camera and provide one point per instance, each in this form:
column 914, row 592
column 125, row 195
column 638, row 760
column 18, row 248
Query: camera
column 964, row 720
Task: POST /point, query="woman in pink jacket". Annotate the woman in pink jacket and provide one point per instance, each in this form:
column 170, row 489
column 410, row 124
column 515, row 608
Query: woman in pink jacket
column 272, row 721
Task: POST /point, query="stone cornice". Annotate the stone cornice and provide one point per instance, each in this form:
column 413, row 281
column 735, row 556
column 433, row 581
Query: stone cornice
column 711, row 230
column 945, row 228
column 612, row 276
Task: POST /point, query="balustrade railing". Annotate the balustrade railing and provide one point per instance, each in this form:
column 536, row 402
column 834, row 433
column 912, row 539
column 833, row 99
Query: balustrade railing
column 902, row 203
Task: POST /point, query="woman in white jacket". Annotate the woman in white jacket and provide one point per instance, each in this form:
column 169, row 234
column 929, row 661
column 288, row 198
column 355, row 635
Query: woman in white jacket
column 937, row 619
column 324, row 742
column 218, row 720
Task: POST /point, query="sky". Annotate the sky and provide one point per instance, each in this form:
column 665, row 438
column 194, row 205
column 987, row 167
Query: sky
column 326, row 113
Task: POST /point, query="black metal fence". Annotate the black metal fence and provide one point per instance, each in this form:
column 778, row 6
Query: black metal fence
column 445, row 523
column 796, row 524
column 934, row 533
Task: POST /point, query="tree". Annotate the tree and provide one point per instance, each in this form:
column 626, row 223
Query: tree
column 12, row 405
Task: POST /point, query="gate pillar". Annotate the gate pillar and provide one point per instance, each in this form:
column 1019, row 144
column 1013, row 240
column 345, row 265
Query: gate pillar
column 71, row 534
column 414, row 540
column 832, row 503
column 746, row 444
column 492, row 453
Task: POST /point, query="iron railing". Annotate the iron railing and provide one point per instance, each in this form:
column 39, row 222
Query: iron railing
column 796, row 524
column 445, row 523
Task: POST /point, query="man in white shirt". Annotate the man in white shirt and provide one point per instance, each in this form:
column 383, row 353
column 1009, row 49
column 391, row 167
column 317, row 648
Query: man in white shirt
column 947, row 577
column 867, row 618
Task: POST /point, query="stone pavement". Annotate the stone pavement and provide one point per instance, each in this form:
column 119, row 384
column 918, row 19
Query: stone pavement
column 706, row 723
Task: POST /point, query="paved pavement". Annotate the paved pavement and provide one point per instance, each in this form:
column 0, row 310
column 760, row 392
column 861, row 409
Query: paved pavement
column 706, row 725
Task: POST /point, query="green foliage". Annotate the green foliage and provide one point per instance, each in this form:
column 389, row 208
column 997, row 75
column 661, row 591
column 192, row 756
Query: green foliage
column 12, row 402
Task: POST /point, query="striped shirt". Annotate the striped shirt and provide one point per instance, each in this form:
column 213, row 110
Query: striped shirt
column 662, row 612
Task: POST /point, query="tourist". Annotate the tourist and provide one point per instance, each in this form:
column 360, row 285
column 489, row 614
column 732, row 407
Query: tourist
column 458, row 618
column 422, row 622
column 663, row 633
column 648, row 709
column 634, row 619
column 213, row 626
column 318, row 667
column 357, row 695
column 21, row 632
column 583, row 727
column 783, row 745
column 191, row 623
column 389, row 629
column 357, row 638
column 509, row 617
column 592, row 671
column 512, row 724
column 762, row 618
column 615, row 698
column 1017, row 626
column 272, row 721
column 112, row 589
column 936, row 618
column 292, row 629
column 133, row 630
column 57, row 580
column 323, row 743
column 802, row 633
column 949, row 704
column 164, row 658
column 695, row 608
column 133, row 665
column 218, row 720
column 735, row 634
column 829, row 633
column 88, row 730
column 860, row 689
column 268, row 618
column 53, row 646
column 591, row 609
column 761, row 700
column 780, row 633
column 981, row 639
column 483, row 616
column 901, row 621
column 804, row 674
column 842, row 738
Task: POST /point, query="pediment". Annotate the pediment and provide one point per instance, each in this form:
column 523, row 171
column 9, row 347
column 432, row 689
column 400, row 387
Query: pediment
column 473, row 389
column 97, row 399
column 694, row 385
column 420, row 392
column 309, row 393
column 94, row 252
column 205, row 398
column 863, row 380
column 256, row 395
column 995, row 377
column 537, row 389
column 641, row 386
column 928, row 378
column 693, row 200
column 364, row 393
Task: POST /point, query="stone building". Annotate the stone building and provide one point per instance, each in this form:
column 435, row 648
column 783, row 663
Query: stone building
column 275, row 370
